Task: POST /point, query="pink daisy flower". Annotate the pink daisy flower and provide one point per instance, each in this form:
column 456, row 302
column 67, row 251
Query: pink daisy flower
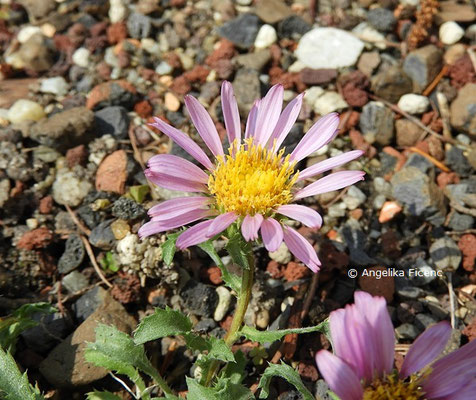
column 364, row 345
column 253, row 185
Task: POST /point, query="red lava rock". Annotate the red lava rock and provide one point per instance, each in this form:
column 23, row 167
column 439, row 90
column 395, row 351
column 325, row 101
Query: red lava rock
column 126, row 288
column 224, row 68
column 35, row 239
column 76, row 156
column 385, row 286
column 308, row 371
column 181, row 85
column 276, row 54
column 102, row 92
column 46, row 205
column 353, row 88
column 63, row 43
column 359, row 143
column 467, row 245
column 317, row 76
column 123, row 59
column 390, row 245
column 99, row 29
column 225, row 50
column 351, row 119
column 278, row 76
column 462, row 72
column 77, row 34
column 446, row 178
column 198, row 73
column 178, row 3
column 470, row 330
column 226, row 323
column 143, row 109
column 388, row 211
column 104, row 70
column 147, row 73
column 357, row 213
column 111, row 175
column 401, row 159
column 214, row 275
column 295, row 271
column 117, row 32
column 173, row 60
column 274, row 269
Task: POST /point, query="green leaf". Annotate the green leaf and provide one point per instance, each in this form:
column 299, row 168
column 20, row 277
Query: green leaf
column 168, row 248
column 238, row 250
column 332, row 395
column 116, row 351
column 14, row 385
column 216, row 348
column 139, row 192
column 19, row 321
column 108, row 262
column 225, row 390
column 235, row 371
column 270, row 336
column 286, row 372
column 102, row 396
column 231, row 280
column 160, row 324
column 199, row 392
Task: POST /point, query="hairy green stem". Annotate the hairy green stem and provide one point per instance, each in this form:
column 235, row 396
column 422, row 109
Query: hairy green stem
column 244, row 297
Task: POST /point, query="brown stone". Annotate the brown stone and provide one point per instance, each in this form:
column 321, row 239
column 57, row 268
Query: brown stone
column 462, row 109
column 317, row 76
column 111, row 175
column 272, row 11
column 76, row 156
column 454, row 11
column 383, row 286
column 467, row 245
column 35, row 239
column 143, row 109
column 181, row 85
column 214, row 275
column 392, row 84
column 368, row 61
column 12, row 90
column 46, row 205
column 408, row 133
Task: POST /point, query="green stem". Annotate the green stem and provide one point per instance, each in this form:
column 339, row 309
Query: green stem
column 241, row 306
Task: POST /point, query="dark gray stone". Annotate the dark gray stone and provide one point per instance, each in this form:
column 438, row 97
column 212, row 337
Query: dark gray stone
column 292, row 139
column 199, row 299
column 73, row 254
column 456, row 160
column 293, row 27
column 391, row 84
column 127, row 209
column 247, row 87
column 381, row 19
column 410, row 292
column 357, row 242
column 446, row 254
column 376, row 121
column 112, row 120
column 422, row 66
column 407, row 332
column 102, row 236
column 241, row 31
column 88, row 303
column 460, row 222
column 424, row 321
column 420, row 162
column 139, row 25
column 205, row 325
column 74, row 282
column 419, row 194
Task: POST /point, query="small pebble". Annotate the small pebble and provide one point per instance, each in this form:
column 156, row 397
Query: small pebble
column 172, row 103
column 451, row 32
column 27, row 32
column 81, row 57
column 266, row 37
column 413, row 103
column 25, row 110
column 282, row 255
column 224, row 301
column 56, row 85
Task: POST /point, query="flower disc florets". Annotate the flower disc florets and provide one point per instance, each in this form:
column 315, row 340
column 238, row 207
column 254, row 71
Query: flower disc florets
column 252, row 180
column 392, row 387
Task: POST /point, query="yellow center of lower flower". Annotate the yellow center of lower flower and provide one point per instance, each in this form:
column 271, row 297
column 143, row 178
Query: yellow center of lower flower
column 252, row 180
column 391, row 387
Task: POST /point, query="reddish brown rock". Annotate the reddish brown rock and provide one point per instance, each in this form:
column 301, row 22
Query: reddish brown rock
column 354, row 85
column 462, row 72
column 214, row 275
column 295, row 271
column 143, row 109
column 332, row 258
column 102, row 92
column 470, row 330
column 111, row 175
column 446, row 178
column 467, row 245
column 225, row 50
column 116, row 32
column 181, row 85
column 35, row 239
column 317, row 76
column 76, row 156
column 198, row 73
column 274, row 269
column 46, row 205
column 383, row 286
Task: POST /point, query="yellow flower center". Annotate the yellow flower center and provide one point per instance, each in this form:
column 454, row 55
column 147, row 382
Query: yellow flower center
column 391, row 387
column 252, row 180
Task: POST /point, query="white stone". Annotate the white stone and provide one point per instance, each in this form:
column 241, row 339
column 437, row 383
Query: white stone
column 413, row 3
column 81, row 57
column 68, row 189
column 25, row 110
column 369, row 34
column 150, row 45
column 56, row 85
column 296, row 66
column 451, row 32
column 243, row 2
column 110, row 58
column 337, row 210
column 413, row 103
column 117, row 11
column 282, row 255
column 4, row 191
column 224, row 301
column 329, row 48
column 27, row 32
column 329, row 102
column 164, row 68
column 266, row 37
column 354, row 198
column 312, row 94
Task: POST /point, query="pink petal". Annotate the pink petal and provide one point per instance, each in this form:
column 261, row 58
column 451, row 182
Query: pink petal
column 321, row 133
column 250, row 227
column 177, row 206
column 335, row 181
column 194, row 235
column 184, row 142
column 251, row 121
column 329, row 164
column 452, row 372
column 381, row 332
column 339, row 376
column 177, row 166
column 301, row 249
column 172, row 182
column 231, row 114
column 272, row 234
column 429, row 345
column 154, row 226
column 303, row 214
column 268, row 115
column 220, row 223
column 204, row 124
column 465, row 393
column 286, row 122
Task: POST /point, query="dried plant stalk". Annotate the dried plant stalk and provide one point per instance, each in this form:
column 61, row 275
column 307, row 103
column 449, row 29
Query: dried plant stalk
column 424, row 20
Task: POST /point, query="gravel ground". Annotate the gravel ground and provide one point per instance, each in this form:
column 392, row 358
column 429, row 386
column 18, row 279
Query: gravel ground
column 80, row 80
